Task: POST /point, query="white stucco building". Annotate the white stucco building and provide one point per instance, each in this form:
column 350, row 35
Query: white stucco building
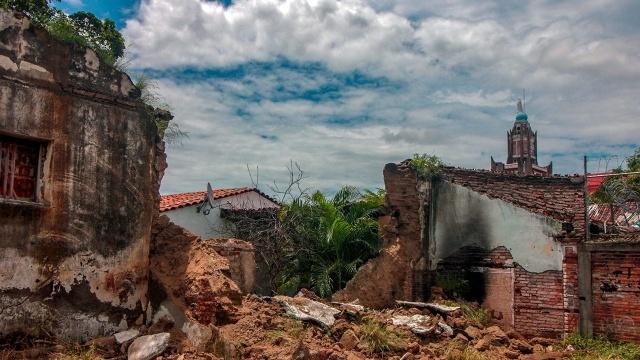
column 188, row 211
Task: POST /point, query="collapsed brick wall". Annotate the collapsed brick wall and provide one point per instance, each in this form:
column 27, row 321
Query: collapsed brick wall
column 616, row 293
column 242, row 262
column 398, row 272
column 552, row 293
column 74, row 260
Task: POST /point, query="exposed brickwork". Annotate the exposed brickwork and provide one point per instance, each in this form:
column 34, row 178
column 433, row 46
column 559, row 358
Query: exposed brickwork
column 616, row 294
column 393, row 274
column 242, row 262
column 552, row 294
column 538, row 302
column 560, row 198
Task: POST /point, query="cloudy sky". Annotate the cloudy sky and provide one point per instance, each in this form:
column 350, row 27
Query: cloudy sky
column 343, row 87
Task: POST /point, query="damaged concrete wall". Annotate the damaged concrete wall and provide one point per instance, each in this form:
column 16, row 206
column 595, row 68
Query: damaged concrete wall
column 517, row 236
column 464, row 217
column 74, row 259
column 242, row 261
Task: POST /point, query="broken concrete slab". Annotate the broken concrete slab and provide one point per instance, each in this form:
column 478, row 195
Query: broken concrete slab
column 437, row 308
column 124, row 336
column 148, row 347
column 304, row 309
column 418, row 324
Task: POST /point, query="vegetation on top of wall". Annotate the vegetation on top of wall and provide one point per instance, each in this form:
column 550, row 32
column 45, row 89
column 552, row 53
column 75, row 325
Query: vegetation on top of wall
column 426, row 166
column 171, row 131
column 600, row 349
column 82, row 28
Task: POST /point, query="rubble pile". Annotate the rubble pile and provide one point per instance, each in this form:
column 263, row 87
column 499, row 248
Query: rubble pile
column 306, row 328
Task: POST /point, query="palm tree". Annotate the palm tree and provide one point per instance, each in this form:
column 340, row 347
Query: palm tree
column 335, row 236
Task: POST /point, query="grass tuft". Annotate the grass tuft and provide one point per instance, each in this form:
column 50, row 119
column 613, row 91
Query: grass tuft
column 377, row 338
column 464, row 352
column 601, row 349
column 77, row 352
column 476, row 315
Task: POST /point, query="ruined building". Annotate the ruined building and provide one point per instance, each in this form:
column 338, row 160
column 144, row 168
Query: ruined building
column 517, row 244
column 80, row 167
column 522, row 149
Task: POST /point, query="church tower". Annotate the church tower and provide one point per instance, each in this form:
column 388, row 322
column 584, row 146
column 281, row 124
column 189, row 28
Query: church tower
column 522, row 149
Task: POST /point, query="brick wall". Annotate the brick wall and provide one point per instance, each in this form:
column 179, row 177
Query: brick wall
column 616, row 293
column 538, row 303
column 544, row 303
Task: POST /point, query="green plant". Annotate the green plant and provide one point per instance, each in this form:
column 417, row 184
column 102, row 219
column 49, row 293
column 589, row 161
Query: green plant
column 377, row 338
column 331, row 238
column 426, row 166
column 82, row 28
column 476, row 315
column 453, row 284
column 457, row 351
column 77, row 352
column 601, row 349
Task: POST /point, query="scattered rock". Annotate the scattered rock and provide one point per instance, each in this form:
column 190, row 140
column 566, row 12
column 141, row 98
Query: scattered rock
column 511, row 354
column 301, row 352
column 537, row 348
column 446, row 329
column 408, row 356
column 522, row 346
column 148, row 347
column 495, row 335
column 542, row 341
column 349, row 340
column 304, row 309
column 473, row 332
column 124, row 336
column 482, row 344
column 461, row 338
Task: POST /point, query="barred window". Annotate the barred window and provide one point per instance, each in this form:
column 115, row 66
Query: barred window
column 19, row 168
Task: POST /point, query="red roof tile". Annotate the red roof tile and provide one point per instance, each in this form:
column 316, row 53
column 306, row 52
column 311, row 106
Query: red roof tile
column 175, row 201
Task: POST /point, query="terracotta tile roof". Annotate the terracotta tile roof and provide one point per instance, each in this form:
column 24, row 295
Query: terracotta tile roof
column 175, row 201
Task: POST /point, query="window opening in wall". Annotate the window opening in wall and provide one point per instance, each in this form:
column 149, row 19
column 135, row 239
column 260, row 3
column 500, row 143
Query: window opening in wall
column 19, row 168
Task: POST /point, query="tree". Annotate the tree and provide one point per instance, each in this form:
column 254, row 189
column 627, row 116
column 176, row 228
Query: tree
column 39, row 10
column 81, row 28
column 332, row 237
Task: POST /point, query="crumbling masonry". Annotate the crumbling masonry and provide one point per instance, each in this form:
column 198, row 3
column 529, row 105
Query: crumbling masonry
column 81, row 164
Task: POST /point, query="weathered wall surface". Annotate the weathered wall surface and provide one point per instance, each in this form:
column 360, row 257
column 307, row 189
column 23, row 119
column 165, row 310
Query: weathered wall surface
column 523, row 228
column 74, row 263
column 242, row 261
column 399, row 271
column 464, row 217
column 615, row 280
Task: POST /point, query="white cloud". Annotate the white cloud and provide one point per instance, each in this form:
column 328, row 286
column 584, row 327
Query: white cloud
column 456, row 68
